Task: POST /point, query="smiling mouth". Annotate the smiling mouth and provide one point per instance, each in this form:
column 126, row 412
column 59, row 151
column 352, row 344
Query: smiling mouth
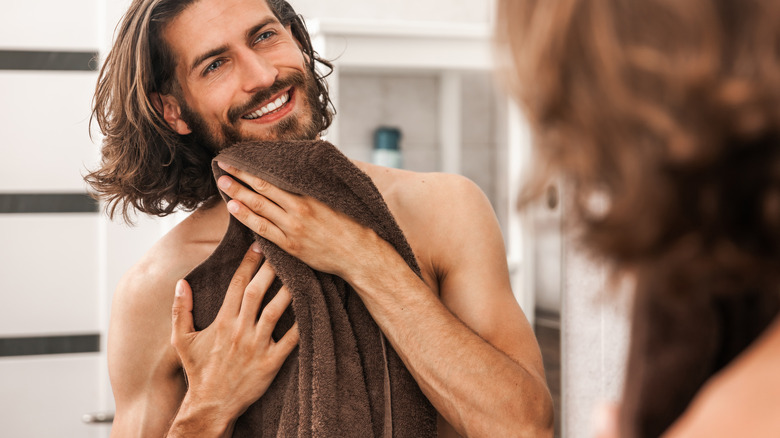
column 271, row 107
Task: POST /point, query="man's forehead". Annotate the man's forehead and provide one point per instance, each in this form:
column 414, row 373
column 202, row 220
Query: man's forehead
column 208, row 24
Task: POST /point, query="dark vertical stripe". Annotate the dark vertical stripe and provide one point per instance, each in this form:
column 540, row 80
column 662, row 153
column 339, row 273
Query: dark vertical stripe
column 33, row 346
column 40, row 60
column 47, row 203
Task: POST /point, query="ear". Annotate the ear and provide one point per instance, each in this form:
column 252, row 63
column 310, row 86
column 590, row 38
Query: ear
column 169, row 107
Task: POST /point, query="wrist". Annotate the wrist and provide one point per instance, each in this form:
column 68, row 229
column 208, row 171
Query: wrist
column 375, row 258
column 200, row 418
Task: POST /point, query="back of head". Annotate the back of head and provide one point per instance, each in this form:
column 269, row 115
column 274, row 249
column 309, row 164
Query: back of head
column 668, row 114
column 145, row 165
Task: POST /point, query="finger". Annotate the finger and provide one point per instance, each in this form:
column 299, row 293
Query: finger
column 272, row 312
column 270, row 191
column 181, row 314
column 258, row 203
column 246, row 270
column 290, row 339
column 256, row 223
column 254, row 293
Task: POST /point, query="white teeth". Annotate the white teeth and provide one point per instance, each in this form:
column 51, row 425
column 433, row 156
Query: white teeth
column 269, row 108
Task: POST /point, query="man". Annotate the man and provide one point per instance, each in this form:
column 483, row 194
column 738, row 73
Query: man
column 194, row 76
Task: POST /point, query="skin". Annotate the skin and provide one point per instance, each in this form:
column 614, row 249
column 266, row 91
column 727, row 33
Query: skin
column 466, row 340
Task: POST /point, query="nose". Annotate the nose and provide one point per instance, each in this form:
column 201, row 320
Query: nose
column 256, row 71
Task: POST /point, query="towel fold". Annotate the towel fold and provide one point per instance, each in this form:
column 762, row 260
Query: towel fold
column 344, row 379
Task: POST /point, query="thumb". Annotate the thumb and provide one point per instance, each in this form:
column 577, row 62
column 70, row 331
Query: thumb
column 181, row 314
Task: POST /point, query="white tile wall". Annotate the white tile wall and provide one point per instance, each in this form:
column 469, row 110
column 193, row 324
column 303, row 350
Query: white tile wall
column 408, row 102
column 49, row 274
column 39, row 391
column 49, row 25
column 44, row 117
column 368, row 100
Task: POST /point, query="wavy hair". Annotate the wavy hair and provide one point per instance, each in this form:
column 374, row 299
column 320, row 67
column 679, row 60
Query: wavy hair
column 145, row 164
column 663, row 117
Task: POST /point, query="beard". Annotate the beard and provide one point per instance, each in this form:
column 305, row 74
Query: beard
column 306, row 126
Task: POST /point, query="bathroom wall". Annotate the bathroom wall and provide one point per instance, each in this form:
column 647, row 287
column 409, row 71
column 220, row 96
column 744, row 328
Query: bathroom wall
column 410, row 102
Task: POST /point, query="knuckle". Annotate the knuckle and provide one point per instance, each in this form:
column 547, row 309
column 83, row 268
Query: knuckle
column 262, row 227
column 176, row 313
column 260, row 185
column 237, row 336
column 297, row 228
column 238, row 281
column 303, row 208
column 253, row 293
column 272, row 313
column 293, row 246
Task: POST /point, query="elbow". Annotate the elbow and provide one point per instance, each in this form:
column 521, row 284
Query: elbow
column 541, row 423
column 536, row 416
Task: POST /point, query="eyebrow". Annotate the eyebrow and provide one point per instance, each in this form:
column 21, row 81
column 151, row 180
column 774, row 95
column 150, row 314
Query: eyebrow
column 211, row 53
column 224, row 48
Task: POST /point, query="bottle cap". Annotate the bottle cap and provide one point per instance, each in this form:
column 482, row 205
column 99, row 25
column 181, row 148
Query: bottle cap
column 387, row 138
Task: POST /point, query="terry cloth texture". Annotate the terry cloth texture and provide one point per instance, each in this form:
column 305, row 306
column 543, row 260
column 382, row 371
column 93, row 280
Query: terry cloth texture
column 344, row 379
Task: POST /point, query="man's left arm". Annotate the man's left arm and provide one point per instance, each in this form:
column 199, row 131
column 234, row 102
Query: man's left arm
column 470, row 349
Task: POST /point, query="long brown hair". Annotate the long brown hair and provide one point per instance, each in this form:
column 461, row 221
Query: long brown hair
column 668, row 113
column 145, row 164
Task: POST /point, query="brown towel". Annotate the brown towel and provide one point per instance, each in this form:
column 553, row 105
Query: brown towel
column 344, row 379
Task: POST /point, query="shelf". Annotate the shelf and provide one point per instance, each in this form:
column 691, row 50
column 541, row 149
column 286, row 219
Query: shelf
column 403, row 45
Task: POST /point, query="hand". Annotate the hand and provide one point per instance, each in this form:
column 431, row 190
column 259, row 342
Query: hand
column 324, row 239
column 231, row 363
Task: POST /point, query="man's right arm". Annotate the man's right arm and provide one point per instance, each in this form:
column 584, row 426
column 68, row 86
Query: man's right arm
column 145, row 373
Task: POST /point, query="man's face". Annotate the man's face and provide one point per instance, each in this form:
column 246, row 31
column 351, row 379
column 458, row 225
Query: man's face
column 242, row 74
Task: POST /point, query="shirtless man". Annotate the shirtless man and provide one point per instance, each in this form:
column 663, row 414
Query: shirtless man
column 208, row 69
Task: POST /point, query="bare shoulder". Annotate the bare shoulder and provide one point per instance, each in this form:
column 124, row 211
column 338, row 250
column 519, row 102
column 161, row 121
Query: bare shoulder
column 143, row 367
column 447, row 219
column 424, row 199
column 743, row 399
column 446, row 212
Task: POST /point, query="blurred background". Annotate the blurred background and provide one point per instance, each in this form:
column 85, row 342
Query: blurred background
column 418, row 71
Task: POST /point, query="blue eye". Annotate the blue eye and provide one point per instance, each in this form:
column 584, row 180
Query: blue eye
column 264, row 36
column 213, row 66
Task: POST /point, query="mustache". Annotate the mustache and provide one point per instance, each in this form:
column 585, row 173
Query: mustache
column 292, row 80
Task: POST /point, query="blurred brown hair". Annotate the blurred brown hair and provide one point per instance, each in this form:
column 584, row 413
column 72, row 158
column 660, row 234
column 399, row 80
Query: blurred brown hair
column 667, row 112
column 145, row 164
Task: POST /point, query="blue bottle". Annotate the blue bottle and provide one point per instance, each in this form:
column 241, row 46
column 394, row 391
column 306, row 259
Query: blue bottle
column 387, row 151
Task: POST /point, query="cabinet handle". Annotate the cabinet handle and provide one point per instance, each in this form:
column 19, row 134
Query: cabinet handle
column 98, row 418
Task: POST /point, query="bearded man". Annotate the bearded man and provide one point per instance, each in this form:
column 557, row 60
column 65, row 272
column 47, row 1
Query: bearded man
column 185, row 79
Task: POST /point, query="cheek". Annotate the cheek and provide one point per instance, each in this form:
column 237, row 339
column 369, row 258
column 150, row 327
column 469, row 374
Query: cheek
column 217, row 99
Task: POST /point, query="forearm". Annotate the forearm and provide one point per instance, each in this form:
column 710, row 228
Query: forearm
column 201, row 419
column 476, row 387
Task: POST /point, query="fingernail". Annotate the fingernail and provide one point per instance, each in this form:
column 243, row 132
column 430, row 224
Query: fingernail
column 224, row 183
column 232, row 206
column 224, row 166
column 256, row 247
column 179, row 288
